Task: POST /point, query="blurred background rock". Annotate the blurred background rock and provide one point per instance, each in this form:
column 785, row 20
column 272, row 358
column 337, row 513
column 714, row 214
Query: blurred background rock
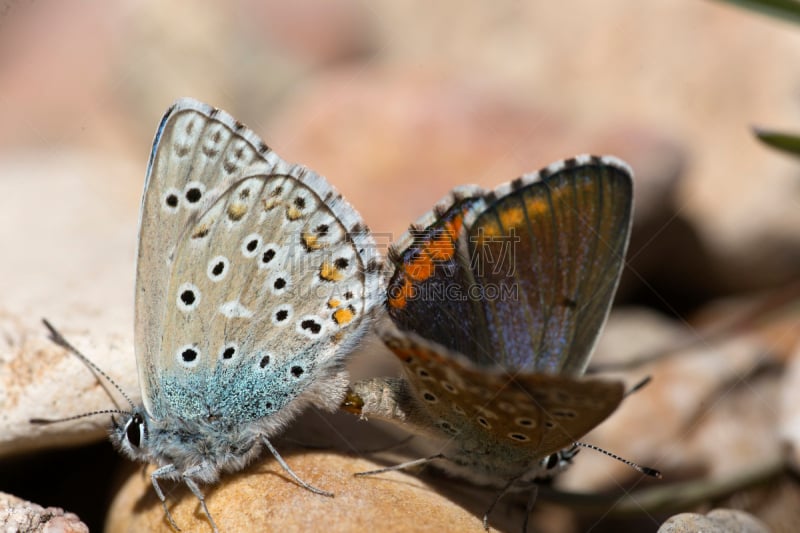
column 396, row 103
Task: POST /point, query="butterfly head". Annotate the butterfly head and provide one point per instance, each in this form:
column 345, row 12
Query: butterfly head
column 131, row 434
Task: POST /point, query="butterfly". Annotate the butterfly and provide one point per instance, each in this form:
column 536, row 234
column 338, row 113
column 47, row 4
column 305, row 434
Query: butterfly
column 254, row 280
column 496, row 300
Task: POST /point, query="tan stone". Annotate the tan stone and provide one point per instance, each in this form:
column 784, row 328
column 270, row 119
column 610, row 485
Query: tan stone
column 263, row 498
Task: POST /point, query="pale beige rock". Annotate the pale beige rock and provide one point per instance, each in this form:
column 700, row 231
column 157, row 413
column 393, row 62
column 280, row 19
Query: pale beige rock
column 75, row 268
column 18, row 515
column 263, row 498
column 716, row 521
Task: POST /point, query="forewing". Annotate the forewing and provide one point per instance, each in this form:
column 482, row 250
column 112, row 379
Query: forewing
column 547, row 254
column 429, row 287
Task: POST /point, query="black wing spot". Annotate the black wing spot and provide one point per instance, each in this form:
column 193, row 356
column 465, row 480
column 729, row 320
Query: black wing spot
column 189, row 355
column 311, row 325
column 268, row 256
column 188, row 297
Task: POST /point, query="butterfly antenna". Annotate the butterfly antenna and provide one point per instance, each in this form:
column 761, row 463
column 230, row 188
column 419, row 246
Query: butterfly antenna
column 646, row 470
column 76, row 417
column 639, row 386
column 59, row 339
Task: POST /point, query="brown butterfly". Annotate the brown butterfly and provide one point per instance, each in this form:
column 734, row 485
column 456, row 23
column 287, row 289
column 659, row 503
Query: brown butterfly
column 496, row 301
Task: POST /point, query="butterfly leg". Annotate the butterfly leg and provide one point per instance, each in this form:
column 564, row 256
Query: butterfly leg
column 164, row 471
column 291, row 473
column 199, row 495
column 402, row 466
column 529, row 506
column 497, row 498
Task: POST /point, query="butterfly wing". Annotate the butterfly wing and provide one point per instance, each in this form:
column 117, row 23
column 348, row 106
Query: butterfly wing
column 532, row 413
column 530, row 269
column 426, row 292
column 254, row 276
column 548, row 253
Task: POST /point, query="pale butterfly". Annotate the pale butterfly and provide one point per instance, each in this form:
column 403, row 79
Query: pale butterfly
column 496, row 300
column 254, row 281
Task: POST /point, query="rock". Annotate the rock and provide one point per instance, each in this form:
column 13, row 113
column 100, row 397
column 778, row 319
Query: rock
column 77, row 271
column 17, row 514
column 716, row 521
column 263, row 498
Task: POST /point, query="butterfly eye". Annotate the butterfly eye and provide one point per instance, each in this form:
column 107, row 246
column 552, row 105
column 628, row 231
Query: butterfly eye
column 134, row 431
column 552, row 461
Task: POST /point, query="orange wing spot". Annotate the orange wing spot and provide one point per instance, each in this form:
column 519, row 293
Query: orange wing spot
column 343, row 316
column 421, row 268
column 398, row 299
column 404, row 354
column 441, row 248
column 328, row 272
column 292, row 213
column 536, row 206
column 488, row 231
column 333, row 303
column 236, row 211
column 453, row 226
column 422, row 355
column 512, row 217
column 201, row 232
column 270, row 203
column 310, row 241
